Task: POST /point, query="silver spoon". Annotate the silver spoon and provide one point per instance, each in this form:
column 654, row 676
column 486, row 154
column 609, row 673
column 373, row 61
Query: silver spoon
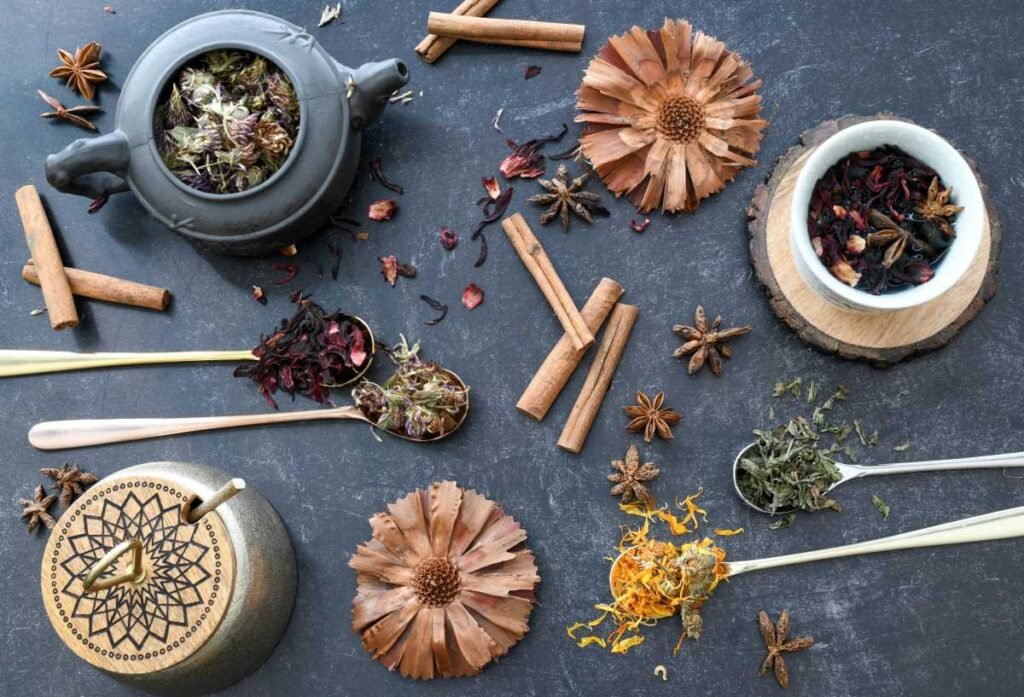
column 998, row 525
column 849, row 472
column 79, row 433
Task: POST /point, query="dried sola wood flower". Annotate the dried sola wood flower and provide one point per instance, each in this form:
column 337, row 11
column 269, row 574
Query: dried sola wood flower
column 670, row 118
column 706, row 344
column 69, row 480
column 37, row 510
column 81, row 70
column 446, row 585
column 648, row 416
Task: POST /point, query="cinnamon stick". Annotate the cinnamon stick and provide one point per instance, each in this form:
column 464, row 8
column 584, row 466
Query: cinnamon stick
column 613, row 344
column 536, row 260
column 561, row 362
column 552, row 36
column 108, row 288
column 60, row 303
column 433, row 46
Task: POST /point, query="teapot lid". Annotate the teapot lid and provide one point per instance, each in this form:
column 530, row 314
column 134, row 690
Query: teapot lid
column 128, row 583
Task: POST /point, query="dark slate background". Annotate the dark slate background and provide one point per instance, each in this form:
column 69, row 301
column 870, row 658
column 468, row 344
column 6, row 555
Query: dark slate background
column 939, row 621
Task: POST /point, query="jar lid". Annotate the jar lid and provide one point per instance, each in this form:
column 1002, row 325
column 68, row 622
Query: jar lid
column 129, row 584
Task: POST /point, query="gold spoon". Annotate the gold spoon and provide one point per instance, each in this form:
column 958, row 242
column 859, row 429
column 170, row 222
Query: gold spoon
column 78, row 433
column 15, row 362
column 998, row 525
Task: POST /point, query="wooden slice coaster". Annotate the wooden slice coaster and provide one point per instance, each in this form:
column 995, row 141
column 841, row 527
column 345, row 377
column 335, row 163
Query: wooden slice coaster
column 882, row 339
column 176, row 604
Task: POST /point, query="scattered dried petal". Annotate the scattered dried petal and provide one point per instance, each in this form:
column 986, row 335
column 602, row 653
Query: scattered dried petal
column 97, row 203
column 492, row 187
column 472, row 296
column 532, row 71
column 639, row 227
column 290, row 272
column 449, row 238
column 525, row 160
column 437, row 307
column 329, row 14
column 258, row 295
column 377, row 174
column 381, row 210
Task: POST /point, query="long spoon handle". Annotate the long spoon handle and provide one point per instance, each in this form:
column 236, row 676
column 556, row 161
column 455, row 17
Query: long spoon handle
column 55, row 435
column 991, row 526
column 17, row 362
column 963, row 463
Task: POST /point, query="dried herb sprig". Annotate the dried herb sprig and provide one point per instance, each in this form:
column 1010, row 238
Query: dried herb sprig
column 308, row 353
column 420, row 400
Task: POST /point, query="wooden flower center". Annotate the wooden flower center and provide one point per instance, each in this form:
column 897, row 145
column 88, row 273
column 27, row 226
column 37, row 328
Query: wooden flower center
column 680, row 119
column 436, row 581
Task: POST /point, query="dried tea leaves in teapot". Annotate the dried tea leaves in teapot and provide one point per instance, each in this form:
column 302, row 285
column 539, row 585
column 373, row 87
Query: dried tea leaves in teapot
column 226, row 122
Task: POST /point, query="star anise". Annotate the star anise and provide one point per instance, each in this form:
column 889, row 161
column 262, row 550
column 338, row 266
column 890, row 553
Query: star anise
column 648, row 416
column 37, row 510
column 632, row 477
column 775, row 641
column 69, row 480
column 82, row 69
column 706, row 343
column 564, row 197
column 894, row 238
column 937, row 209
column 72, row 115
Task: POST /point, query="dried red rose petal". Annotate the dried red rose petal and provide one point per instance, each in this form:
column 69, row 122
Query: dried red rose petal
column 381, row 210
column 492, row 187
column 449, row 238
column 472, row 296
column 639, row 227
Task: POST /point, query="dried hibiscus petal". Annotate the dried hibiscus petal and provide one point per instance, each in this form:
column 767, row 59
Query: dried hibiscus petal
column 639, row 227
column 290, row 272
column 449, row 238
column 472, row 296
column 381, row 210
column 391, row 269
column 532, row 71
column 377, row 174
column 525, row 160
column 437, row 306
column 258, row 295
column 492, row 187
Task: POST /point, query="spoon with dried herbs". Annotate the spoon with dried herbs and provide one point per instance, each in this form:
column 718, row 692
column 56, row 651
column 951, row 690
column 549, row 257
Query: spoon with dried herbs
column 786, row 470
column 420, row 402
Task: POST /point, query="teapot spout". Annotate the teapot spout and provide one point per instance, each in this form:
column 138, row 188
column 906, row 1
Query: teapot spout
column 373, row 84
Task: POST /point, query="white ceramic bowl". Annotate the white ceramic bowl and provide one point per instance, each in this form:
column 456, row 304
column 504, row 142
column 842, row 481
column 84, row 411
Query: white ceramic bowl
column 933, row 151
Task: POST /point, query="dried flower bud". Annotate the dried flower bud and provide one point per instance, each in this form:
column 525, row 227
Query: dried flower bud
column 845, row 273
column 855, row 244
column 448, row 237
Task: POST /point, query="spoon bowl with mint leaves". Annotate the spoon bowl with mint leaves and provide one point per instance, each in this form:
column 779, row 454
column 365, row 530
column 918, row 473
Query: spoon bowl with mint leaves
column 784, row 471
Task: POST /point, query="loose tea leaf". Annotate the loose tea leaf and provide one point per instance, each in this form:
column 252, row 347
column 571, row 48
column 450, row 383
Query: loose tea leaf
column 226, row 122
column 420, row 400
column 631, row 479
column 308, row 353
column 902, row 448
column 377, row 174
column 437, row 306
column 564, row 197
column 880, row 219
column 783, row 522
column 75, row 115
column 774, row 636
column 881, row 506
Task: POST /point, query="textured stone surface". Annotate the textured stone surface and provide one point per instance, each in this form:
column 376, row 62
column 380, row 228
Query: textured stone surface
column 938, row 621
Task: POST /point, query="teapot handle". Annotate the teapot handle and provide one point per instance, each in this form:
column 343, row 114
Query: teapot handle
column 91, row 167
